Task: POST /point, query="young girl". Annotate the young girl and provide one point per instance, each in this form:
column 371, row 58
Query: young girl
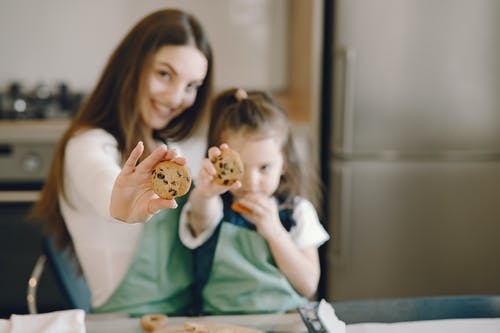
column 153, row 89
column 267, row 260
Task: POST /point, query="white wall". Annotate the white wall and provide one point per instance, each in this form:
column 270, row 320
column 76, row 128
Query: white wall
column 61, row 40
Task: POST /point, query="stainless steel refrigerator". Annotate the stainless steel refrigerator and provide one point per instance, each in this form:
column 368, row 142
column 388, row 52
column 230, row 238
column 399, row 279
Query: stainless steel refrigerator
column 413, row 148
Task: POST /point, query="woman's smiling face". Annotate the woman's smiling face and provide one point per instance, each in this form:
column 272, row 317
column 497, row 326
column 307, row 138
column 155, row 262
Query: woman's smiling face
column 171, row 84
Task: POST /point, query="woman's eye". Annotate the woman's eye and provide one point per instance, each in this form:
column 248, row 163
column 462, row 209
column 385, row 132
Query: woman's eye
column 192, row 87
column 164, row 75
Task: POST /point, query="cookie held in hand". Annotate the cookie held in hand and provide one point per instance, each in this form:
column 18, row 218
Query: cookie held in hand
column 170, row 180
column 228, row 166
column 239, row 208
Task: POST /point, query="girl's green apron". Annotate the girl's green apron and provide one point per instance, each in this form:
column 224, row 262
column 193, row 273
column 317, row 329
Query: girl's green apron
column 244, row 277
column 161, row 275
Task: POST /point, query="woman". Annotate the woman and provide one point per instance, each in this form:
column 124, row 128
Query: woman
column 153, row 89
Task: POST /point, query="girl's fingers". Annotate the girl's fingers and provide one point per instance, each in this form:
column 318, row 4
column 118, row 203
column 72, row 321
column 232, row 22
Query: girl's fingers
column 213, row 152
column 131, row 161
column 208, row 167
column 236, row 185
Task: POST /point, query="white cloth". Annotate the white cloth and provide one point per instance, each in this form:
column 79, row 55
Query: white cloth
column 307, row 232
column 327, row 316
column 476, row 325
column 68, row 321
column 105, row 247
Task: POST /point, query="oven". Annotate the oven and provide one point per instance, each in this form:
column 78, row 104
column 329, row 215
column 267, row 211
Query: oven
column 31, row 124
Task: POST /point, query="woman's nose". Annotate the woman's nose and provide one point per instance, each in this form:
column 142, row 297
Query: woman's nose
column 175, row 96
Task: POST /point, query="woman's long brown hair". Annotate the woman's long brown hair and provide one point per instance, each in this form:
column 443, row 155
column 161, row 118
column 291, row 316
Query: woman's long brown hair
column 113, row 104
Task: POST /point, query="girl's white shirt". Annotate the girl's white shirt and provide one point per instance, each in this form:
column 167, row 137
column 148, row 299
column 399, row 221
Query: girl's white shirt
column 306, row 232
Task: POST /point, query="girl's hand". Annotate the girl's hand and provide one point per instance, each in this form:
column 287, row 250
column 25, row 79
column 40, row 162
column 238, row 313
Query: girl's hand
column 205, row 201
column 265, row 215
column 206, row 186
column 132, row 198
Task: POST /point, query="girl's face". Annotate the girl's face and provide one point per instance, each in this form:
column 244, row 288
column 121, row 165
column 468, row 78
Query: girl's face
column 171, row 84
column 262, row 161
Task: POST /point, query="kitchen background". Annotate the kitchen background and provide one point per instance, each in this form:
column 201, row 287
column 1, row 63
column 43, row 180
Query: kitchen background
column 52, row 53
column 395, row 102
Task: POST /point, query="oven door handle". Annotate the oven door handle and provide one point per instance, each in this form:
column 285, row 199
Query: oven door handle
column 19, row 196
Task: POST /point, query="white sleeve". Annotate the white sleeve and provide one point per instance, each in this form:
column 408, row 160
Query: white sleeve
column 105, row 247
column 187, row 238
column 308, row 230
column 92, row 163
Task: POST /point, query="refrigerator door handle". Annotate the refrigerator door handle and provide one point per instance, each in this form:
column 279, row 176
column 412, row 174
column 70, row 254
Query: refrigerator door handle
column 343, row 115
column 341, row 216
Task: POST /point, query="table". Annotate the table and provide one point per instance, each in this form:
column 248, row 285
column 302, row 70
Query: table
column 292, row 323
column 111, row 323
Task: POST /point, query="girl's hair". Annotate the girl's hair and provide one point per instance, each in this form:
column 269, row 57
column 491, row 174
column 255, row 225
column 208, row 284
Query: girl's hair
column 113, row 105
column 257, row 114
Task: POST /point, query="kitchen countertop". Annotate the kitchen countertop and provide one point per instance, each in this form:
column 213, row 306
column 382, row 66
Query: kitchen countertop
column 29, row 130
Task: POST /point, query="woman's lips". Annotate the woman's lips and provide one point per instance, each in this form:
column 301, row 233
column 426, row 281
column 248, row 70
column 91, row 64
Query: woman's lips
column 161, row 109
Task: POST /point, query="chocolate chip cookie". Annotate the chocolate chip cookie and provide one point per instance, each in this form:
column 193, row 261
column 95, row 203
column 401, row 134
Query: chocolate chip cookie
column 170, row 180
column 229, row 167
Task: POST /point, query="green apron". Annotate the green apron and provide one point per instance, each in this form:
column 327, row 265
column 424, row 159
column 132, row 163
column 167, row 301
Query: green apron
column 161, row 275
column 244, row 277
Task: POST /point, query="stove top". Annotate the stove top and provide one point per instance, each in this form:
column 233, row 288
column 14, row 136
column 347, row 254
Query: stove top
column 39, row 102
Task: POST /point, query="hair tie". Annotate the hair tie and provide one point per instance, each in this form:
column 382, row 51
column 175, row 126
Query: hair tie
column 240, row 94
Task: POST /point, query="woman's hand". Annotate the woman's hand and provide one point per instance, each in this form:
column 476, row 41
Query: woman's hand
column 132, row 198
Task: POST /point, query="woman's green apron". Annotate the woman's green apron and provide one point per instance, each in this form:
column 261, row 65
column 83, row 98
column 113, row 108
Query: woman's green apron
column 161, row 276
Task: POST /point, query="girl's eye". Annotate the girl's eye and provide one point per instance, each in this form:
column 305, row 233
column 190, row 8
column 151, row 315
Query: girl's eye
column 265, row 167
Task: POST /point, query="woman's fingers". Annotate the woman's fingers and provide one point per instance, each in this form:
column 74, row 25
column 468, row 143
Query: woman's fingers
column 179, row 160
column 155, row 205
column 131, row 161
column 156, row 156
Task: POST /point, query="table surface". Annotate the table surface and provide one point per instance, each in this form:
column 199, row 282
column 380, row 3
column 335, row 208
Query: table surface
column 97, row 323
column 292, row 323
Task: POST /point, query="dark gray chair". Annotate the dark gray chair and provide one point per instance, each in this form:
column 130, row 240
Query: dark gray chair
column 418, row 308
column 72, row 284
